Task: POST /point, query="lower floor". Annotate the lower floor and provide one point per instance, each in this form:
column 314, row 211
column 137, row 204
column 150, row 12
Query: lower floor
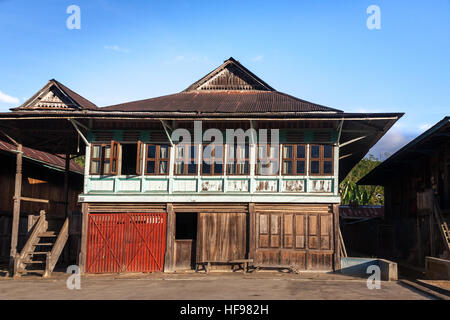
column 146, row 237
column 199, row 286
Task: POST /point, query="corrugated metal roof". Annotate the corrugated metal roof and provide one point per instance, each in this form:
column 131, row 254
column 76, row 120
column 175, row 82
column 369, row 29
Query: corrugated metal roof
column 44, row 157
column 222, row 102
column 361, row 211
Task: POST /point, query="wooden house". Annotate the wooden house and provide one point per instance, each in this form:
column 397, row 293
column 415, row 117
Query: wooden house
column 416, row 182
column 43, row 177
column 152, row 202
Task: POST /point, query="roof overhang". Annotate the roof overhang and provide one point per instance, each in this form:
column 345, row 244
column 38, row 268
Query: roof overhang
column 53, row 132
column 408, row 156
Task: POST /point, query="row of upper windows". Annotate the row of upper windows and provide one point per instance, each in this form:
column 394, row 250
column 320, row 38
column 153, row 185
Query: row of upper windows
column 107, row 158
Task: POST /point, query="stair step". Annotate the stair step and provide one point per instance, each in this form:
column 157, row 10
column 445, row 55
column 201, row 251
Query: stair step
column 39, row 252
column 44, row 244
column 33, row 271
column 34, row 262
column 47, row 235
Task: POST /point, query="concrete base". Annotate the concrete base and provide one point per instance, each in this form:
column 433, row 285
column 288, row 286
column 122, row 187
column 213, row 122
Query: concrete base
column 437, row 269
column 358, row 267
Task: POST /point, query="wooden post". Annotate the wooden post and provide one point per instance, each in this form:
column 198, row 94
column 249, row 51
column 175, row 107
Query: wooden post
column 252, row 231
column 336, row 229
column 66, row 186
column 169, row 260
column 16, row 210
column 84, row 231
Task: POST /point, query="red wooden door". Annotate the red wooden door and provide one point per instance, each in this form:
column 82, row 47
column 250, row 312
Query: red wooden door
column 126, row 242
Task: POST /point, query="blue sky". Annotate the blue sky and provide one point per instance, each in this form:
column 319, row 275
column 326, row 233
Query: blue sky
column 321, row 51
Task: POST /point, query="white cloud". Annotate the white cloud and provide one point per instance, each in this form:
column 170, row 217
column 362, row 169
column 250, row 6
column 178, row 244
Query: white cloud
column 393, row 140
column 258, row 58
column 117, row 49
column 4, row 98
column 425, row 127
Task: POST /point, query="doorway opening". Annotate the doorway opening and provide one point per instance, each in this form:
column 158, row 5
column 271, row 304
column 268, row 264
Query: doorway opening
column 185, row 240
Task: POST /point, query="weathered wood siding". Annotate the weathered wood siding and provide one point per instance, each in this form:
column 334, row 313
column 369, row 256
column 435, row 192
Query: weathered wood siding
column 221, row 236
column 295, row 235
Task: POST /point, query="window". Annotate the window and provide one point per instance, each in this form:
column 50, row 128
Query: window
column 130, row 162
column 267, row 160
column 103, row 161
column 238, row 160
column 157, row 160
column 321, row 160
column 294, row 159
column 185, row 160
column 212, row 164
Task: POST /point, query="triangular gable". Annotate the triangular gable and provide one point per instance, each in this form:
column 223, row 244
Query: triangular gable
column 55, row 96
column 231, row 75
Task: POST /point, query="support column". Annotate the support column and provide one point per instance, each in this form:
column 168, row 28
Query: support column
column 84, row 231
column 252, row 231
column 16, row 209
column 169, row 260
column 66, row 185
column 337, row 251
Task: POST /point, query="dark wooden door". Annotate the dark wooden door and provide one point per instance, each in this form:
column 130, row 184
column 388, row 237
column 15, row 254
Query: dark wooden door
column 221, row 236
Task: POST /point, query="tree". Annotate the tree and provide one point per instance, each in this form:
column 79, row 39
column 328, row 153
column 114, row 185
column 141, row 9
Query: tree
column 353, row 194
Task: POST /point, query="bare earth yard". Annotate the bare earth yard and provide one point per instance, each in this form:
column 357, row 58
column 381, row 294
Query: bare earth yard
column 214, row 286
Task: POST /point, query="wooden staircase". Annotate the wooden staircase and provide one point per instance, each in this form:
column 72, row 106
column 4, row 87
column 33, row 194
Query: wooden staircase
column 442, row 224
column 42, row 250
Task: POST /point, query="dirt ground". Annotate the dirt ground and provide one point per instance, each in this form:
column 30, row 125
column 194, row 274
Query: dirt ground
column 199, row 286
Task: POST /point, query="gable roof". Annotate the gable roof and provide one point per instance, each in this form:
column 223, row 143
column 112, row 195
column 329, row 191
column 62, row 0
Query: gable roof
column 56, row 96
column 230, row 88
column 51, row 160
column 399, row 162
column 231, row 75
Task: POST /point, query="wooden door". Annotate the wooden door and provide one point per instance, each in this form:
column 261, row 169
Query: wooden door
column 126, row 242
column 300, row 239
column 221, row 236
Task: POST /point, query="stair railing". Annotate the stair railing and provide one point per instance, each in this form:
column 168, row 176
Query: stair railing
column 53, row 256
column 41, row 226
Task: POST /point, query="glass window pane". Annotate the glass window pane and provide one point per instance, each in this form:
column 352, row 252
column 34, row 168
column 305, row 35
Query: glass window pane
column 300, row 151
column 96, row 151
column 206, row 168
column 151, row 167
column 95, row 166
column 193, row 154
column 247, row 151
column 245, row 168
column 327, row 167
column 107, row 167
column 180, row 152
column 218, row 152
column 287, row 151
column 218, row 168
column 231, row 168
column 300, row 167
column 163, row 167
column 315, row 152
column 287, row 167
column 164, row 152
column 179, row 168
column 107, row 152
column 192, row 168
column 151, row 153
column 327, row 149
column 314, row 167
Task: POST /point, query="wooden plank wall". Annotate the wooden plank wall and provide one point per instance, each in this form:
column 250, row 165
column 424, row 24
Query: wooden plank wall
column 221, row 236
column 295, row 235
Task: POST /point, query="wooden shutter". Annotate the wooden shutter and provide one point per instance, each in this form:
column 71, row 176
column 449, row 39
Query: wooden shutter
column 140, row 152
column 114, row 160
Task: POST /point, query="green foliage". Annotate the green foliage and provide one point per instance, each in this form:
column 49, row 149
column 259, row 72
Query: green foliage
column 80, row 160
column 352, row 194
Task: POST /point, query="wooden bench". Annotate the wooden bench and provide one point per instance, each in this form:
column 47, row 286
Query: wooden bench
column 242, row 263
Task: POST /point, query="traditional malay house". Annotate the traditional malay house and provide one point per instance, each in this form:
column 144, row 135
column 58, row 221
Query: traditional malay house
column 155, row 201
column 416, row 182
